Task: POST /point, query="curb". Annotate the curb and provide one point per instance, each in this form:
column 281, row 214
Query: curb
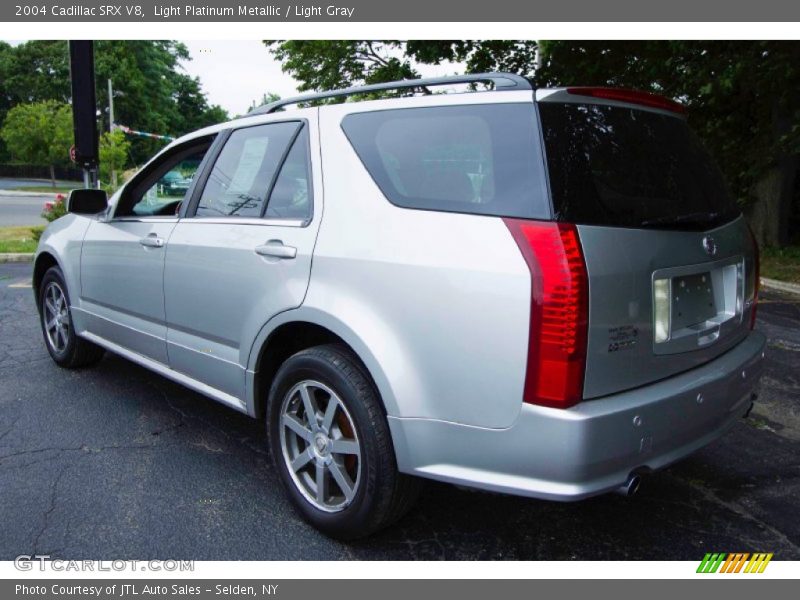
column 15, row 257
column 30, row 194
column 781, row 286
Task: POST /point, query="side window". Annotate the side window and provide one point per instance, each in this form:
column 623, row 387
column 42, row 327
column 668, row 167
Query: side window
column 162, row 187
column 291, row 197
column 240, row 180
column 166, row 194
column 479, row 159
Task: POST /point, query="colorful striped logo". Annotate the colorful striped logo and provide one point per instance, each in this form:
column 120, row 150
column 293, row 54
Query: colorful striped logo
column 740, row 562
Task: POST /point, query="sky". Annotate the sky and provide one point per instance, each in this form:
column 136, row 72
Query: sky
column 234, row 73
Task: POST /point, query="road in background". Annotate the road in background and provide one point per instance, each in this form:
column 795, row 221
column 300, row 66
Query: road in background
column 22, row 210
column 116, row 462
column 11, row 184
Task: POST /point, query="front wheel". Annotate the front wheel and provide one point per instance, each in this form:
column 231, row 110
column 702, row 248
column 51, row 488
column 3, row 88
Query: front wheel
column 65, row 347
column 331, row 445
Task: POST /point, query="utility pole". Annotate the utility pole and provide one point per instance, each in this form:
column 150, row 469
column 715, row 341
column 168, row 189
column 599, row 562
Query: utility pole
column 110, row 107
column 84, row 109
column 111, row 127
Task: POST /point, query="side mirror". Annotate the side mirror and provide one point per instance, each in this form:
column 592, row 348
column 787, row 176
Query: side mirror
column 87, row 201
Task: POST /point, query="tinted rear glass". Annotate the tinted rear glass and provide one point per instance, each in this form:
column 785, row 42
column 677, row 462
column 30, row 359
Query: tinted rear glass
column 630, row 168
column 479, row 159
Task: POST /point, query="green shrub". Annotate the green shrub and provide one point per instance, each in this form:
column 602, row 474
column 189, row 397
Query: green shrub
column 56, row 209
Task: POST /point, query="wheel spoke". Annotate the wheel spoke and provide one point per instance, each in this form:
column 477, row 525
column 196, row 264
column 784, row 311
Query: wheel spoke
column 51, row 307
column 330, row 412
column 342, row 479
column 302, row 460
column 322, row 483
column 293, row 423
column 62, row 337
column 345, row 446
column 50, row 324
column 310, row 406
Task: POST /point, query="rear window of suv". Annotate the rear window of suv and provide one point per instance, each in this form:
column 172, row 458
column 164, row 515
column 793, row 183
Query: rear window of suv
column 625, row 167
column 478, row 159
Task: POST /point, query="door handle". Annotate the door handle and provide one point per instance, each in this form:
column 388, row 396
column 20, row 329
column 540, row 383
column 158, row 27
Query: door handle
column 152, row 241
column 276, row 249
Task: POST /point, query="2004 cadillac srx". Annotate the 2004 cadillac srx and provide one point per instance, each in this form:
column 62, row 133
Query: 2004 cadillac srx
column 544, row 292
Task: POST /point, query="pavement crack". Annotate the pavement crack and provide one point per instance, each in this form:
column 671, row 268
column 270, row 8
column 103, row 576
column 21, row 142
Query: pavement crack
column 50, row 509
column 742, row 512
column 243, row 441
column 84, row 448
column 10, row 428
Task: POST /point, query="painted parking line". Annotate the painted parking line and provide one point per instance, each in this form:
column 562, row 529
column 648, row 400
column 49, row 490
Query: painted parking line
column 21, row 284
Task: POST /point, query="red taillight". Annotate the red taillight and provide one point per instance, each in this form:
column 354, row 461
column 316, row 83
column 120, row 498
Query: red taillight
column 559, row 311
column 757, row 280
column 632, row 96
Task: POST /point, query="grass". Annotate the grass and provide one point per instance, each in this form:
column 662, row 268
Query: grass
column 19, row 239
column 47, row 189
column 782, row 264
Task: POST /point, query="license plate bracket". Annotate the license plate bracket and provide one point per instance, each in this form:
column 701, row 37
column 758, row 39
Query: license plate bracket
column 692, row 300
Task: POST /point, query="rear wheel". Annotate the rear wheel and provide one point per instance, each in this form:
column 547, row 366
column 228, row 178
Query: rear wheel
column 65, row 347
column 331, row 445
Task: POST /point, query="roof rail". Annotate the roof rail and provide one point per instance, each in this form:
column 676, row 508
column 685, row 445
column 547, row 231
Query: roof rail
column 501, row 81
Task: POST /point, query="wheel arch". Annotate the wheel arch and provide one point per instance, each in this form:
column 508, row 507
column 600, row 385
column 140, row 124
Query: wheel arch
column 45, row 260
column 297, row 330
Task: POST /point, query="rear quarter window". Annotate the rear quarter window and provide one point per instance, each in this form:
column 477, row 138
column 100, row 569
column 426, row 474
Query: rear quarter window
column 477, row 159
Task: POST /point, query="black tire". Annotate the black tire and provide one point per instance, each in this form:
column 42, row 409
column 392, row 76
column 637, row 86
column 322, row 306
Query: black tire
column 382, row 494
column 76, row 351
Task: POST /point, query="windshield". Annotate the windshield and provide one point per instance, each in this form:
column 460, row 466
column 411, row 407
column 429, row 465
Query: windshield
column 626, row 167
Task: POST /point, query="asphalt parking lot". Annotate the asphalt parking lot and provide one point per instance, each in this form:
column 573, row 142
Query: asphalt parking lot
column 114, row 462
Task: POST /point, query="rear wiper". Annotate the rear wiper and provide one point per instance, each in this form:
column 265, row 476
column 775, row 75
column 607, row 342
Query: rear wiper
column 698, row 218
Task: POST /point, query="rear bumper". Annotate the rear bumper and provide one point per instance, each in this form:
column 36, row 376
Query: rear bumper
column 593, row 447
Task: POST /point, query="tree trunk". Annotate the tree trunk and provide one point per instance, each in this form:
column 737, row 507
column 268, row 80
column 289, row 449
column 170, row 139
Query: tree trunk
column 769, row 215
column 53, row 175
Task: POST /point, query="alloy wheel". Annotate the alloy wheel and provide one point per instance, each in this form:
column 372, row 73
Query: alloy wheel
column 55, row 316
column 320, row 445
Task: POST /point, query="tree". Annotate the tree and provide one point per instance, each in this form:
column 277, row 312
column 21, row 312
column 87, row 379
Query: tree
column 331, row 64
column 266, row 98
column 154, row 93
column 39, row 133
column 114, row 148
column 741, row 95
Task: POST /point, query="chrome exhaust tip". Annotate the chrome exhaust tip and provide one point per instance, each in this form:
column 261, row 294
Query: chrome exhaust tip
column 630, row 487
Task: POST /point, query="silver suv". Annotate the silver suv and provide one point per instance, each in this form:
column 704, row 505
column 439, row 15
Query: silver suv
column 543, row 292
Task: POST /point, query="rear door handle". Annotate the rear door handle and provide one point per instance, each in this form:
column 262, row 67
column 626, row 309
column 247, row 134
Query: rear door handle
column 276, row 249
column 152, row 241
